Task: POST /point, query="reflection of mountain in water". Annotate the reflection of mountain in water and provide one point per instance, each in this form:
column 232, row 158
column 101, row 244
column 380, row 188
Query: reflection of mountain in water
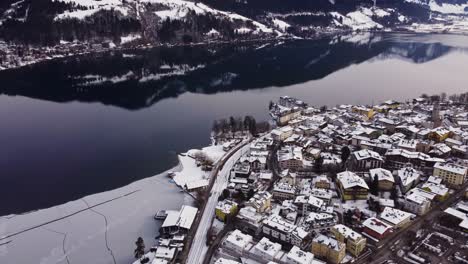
column 140, row 78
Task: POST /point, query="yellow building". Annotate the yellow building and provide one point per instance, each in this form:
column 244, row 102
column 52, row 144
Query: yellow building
column 451, row 173
column 331, row 249
column 355, row 242
column 351, row 186
column 365, row 111
column 226, row 208
column 439, row 134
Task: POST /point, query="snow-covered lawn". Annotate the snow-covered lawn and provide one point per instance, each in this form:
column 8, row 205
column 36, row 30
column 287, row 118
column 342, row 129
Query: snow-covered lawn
column 190, row 172
column 358, row 204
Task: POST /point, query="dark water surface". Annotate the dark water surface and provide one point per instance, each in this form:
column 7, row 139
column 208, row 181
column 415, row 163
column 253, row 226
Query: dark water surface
column 84, row 125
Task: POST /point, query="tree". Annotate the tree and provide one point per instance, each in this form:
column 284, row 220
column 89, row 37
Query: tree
column 226, row 194
column 374, row 187
column 323, row 108
column 345, row 152
column 318, row 164
column 140, row 248
column 216, row 127
column 270, row 106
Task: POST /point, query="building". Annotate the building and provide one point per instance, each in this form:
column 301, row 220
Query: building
column 237, row 242
column 308, row 204
column 249, row 220
column 365, row 111
column 290, row 158
column 376, row 228
column 329, row 248
column 399, row 158
column 281, row 134
column 365, row 159
column 225, row 209
column 355, row 242
column 384, row 177
column 284, row 191
column 408, row 178
column 277, row 228
column 261, row 201
column 395, row 217
column 351, row 186
column 322, row 182
column 451, row 173
column 416, row 203
column 265, row 250
column 439, row 134
column 297, row 256
column 179, row 221
column 317, row 219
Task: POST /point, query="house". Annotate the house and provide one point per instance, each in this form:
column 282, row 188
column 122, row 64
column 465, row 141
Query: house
column 329, row 248
column 249, row 220
column 308, row 204
column 384, row 177
column 284, row 191
column 396, row 218
column 376, row 228
column 440, row 190
column 351, row 186
column 196, row 185
column 408, row 178
column 179, row 221
column 281, row 134
column 277, row 228
column 265, row 250
column 322, row 182
column 416, row 203
column 399, row 158
column 365, row 159
column 439, row 134
column 297, row 256
column 261, row 201
column 365, row 111
column 317, row 219
column 451, row 173
column 237, row 242
column 355, row 242
column 225, row 209
column 290, row 158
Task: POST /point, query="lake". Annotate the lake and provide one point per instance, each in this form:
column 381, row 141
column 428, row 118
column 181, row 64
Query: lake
column 84, row 125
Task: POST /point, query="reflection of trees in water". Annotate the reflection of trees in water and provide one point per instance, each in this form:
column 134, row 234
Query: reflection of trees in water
column 140, row 78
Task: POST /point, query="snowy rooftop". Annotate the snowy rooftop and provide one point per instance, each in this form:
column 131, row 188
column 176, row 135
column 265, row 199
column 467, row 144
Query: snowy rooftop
column 239, row 239
column 382, row 174
column 366, row 154
column 297, row 256
column 350, row 179
column 451, row 167
column 347, row 232
column 266, row 247
column 226, row 206
column 328, row 241
column 376, row 225
column 408, row 175
column 394, row 216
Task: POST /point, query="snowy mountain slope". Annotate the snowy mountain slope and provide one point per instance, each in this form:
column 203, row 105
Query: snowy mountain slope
column 448, row 7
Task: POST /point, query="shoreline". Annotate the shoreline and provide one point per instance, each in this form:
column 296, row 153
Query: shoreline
column 208, row 43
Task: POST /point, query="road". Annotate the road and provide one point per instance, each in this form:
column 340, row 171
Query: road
column 199, row 246
column 426, row 220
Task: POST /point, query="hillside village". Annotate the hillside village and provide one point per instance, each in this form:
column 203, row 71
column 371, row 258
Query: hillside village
column 362, row 184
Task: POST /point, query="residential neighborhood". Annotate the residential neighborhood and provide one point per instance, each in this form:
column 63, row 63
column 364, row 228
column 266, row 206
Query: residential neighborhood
column 348, row 184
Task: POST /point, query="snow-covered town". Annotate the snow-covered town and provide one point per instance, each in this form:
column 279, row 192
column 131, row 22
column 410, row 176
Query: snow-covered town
column 381, row 183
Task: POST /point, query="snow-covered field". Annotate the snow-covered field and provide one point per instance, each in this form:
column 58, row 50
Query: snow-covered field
column 83, row 237
column 190, row 172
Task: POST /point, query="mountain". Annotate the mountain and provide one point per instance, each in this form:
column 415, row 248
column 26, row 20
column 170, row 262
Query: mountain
column 35, row 30
column 50, row 21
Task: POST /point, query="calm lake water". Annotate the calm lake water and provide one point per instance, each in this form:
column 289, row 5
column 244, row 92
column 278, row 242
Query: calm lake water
column 80, row 126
